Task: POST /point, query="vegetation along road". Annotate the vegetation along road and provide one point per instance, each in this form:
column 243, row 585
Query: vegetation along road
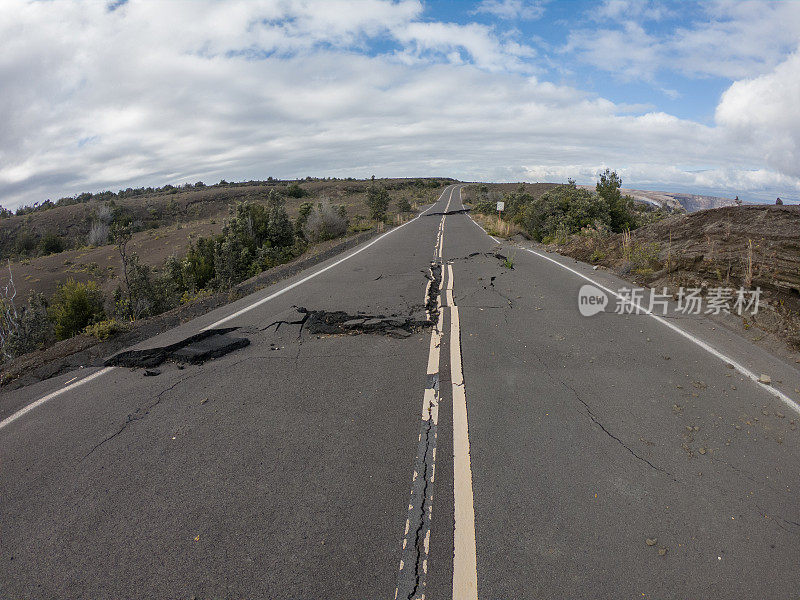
column 425, row 414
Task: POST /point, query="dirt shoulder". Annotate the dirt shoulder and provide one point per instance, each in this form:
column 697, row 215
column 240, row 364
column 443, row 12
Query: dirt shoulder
column 85, row 350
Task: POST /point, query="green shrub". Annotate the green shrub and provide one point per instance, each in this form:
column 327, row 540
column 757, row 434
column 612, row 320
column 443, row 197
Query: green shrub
column 254, row 239
column 302, row 217
column 377, row 201
column 644, row 257
column 52, row 244
column 403, row 205
column 103, row 330
column 74, row 306
column 597, row 256
column 568, row 209
column 198, row 269
column 295, row 191
column 26, row 243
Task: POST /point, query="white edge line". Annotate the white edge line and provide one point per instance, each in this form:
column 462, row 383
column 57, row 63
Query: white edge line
column 704, row 345
column 8, row 420
column 40, row 401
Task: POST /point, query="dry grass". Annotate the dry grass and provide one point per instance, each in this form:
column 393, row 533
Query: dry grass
column 498, row 227
column 747, row 275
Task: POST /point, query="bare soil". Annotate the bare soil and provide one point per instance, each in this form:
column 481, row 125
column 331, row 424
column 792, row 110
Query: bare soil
column 172, row 222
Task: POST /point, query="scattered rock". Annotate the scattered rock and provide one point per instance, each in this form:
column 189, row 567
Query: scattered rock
column 662, row 551
column 651, row 541
column 151, row 372
column 765, row 379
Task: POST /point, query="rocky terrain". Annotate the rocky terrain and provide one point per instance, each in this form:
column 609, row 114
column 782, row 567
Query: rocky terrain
column 748, row 246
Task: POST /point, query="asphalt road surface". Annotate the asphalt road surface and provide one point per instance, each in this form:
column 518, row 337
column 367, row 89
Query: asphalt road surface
column 514, row 450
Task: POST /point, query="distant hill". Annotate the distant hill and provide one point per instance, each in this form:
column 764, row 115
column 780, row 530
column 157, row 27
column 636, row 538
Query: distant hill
column 689, row 202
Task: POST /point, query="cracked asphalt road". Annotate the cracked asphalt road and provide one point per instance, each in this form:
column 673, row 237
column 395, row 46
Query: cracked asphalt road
column 283, row 469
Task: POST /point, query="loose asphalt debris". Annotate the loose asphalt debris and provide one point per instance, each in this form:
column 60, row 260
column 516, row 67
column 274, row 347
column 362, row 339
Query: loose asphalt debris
column 339, row 322
column 434, row 275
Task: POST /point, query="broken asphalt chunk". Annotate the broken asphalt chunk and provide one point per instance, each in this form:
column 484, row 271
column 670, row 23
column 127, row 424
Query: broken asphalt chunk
column 195, row 349
column 339, row 322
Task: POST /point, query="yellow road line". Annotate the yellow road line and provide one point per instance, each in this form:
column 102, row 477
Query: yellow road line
column 465, row 568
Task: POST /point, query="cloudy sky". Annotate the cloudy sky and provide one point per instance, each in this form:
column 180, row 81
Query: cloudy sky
column 675, row 96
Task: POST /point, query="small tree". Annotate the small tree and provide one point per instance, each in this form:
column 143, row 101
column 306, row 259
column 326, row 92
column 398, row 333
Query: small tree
column 403, row 205
column 619, row 206
column 34, row 328
column 122, row 235
column 279, row 227
column 377, row 201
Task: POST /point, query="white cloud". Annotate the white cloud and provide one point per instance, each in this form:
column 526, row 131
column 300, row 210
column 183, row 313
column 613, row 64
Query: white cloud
column 155, row 93
column 730, row 39
column 628, row 9
column 512, row 9
column 763, row 112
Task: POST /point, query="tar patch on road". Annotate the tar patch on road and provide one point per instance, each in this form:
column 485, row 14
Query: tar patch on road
column 195, row 350
column 460, row 211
